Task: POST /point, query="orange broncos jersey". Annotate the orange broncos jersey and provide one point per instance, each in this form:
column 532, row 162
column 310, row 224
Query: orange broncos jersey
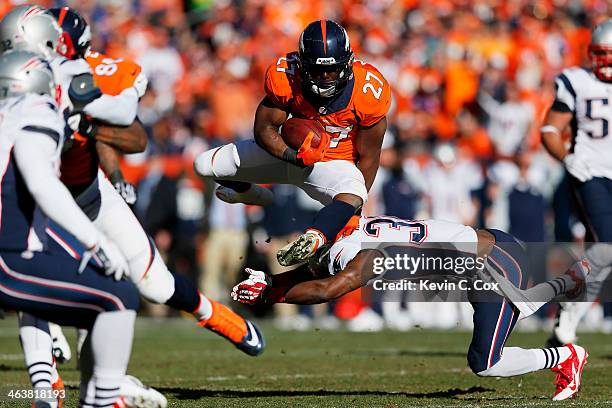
column 79, row 164
column 363, row 102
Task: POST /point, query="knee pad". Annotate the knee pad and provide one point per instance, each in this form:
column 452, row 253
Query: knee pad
column 220, row 162
column 157, row 285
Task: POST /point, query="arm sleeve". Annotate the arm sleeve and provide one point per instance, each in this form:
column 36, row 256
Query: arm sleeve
column 34, row 154
column 117, row 110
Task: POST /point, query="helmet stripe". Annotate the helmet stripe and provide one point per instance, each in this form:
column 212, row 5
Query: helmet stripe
column 62, row 15
column 324, row 33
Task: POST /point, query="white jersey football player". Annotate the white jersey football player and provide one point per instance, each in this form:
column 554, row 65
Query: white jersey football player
column 583, row 102
column 352, row 263
column 36, row 279
column 111, row 214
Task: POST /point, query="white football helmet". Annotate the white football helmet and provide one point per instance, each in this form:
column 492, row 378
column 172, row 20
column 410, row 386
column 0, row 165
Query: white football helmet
column 30, row 28
column 23, row 72
column 600, row 51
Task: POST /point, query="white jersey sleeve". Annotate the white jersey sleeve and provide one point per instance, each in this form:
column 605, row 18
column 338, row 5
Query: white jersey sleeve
column 37, row 145
column 565, row 95
column 385, row 231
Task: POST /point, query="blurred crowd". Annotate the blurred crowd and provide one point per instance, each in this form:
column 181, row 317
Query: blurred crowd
column 471, row 83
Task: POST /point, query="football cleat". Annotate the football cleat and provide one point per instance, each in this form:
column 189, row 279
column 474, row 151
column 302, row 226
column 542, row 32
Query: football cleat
column 244, row 334
column 300, row 250
column 569, row 373
column 255, row 195
column 134, row 394
column 61, row 348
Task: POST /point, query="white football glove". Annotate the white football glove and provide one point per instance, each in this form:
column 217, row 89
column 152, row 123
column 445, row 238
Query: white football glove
column 108, row 256
column 577, row 167
column 250, row 290
column 127, row 191
column 140, row 84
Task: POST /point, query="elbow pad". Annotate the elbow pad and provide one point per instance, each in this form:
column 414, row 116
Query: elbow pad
column 83, row 91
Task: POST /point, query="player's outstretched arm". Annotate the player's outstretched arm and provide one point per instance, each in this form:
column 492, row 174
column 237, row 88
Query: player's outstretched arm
column 300, row 286
column 268, row 118
column 355, row 275
column 369, row 144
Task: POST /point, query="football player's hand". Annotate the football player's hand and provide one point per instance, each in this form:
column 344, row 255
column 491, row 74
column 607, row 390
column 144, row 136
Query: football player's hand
column 106, row 255
column 310, row 155
column 250, row 291
column 80, row 123
column 578, row 168
column 127, row 191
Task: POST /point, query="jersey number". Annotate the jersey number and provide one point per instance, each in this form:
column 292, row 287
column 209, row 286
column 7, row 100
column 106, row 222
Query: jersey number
column 368, row 85
column 417, row 230
column 108, row 67
column 290, row 70
column 592, row 108
column 342, row 134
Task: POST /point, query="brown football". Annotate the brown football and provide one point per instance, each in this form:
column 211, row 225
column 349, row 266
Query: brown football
column 295, row 130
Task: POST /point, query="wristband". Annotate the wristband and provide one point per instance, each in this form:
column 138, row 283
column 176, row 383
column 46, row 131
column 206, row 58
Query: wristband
column 290, row 155
column 115, row 177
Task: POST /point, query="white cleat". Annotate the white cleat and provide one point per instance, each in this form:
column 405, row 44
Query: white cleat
column 301, row 249
column 134, row 394
column 61, row 348
column 255, row 195
column 569, row 373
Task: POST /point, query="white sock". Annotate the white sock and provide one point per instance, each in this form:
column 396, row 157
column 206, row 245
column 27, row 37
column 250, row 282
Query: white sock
column 517, row 361
column 204, row 310
column 37, row 349
column 111, row 345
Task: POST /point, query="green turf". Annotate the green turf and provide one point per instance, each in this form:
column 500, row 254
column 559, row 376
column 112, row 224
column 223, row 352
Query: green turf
column 195, row 368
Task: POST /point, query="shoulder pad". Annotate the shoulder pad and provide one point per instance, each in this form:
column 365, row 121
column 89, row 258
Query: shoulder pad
column 83, row 90
column 372, row 94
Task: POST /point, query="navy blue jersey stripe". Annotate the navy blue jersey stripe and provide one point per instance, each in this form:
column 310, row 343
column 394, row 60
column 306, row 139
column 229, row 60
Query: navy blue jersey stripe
column 568, row 85
column 46, row 131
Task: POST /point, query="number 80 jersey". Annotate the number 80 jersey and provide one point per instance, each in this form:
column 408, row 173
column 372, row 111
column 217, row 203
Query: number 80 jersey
column 578, row 91
column 386, row 231
column 364, row 101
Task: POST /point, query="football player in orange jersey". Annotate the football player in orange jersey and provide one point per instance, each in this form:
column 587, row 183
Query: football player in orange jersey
column 348, row 98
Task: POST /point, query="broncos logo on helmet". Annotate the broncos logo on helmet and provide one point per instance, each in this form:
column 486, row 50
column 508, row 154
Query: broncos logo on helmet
column 325, row 57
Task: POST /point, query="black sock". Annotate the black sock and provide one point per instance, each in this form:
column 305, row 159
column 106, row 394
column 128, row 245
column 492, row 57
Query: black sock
column 185, row 296
column 332, row 218
column 237, row 186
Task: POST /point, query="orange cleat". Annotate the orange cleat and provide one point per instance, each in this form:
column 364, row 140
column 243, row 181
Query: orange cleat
column 244, row 334
column 57, row 384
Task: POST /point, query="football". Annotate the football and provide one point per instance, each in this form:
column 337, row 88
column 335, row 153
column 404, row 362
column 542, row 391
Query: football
column 295, row 130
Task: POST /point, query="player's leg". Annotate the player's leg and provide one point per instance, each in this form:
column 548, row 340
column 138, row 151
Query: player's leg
column 37, row 349
column 494, row 320
column 594, row 199
column 157, row 284
column 340, row 186
column 49, row 287
column 237, row 166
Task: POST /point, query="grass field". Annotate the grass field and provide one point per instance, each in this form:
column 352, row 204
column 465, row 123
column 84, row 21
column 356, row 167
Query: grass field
column 195, row 368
